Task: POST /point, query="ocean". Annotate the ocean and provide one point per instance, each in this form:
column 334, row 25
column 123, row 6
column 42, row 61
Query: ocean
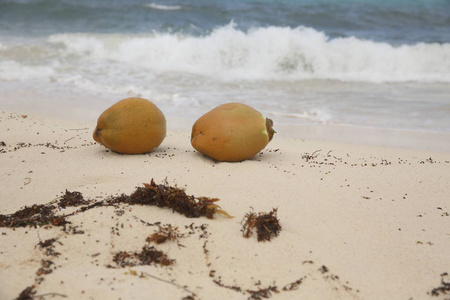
column 364, row 63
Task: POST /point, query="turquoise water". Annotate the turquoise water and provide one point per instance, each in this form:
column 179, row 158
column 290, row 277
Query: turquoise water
column 379, row 64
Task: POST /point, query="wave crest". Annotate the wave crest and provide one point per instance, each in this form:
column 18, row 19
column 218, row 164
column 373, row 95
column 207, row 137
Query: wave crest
column 163, row 7
column 271, row 53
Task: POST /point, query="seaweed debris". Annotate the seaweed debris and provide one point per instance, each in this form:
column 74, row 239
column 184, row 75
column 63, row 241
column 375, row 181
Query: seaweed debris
column 165, row 233
column 73, row 199
column 267, row 225
column 27, row 294
column 293, row 285
column 148, row 256
column 161, row 195
column 175, row 198
column 262, row 293
column 43, row 214
column 35, row 215
column 443, row 289
column 45, row 268
column 49, row 247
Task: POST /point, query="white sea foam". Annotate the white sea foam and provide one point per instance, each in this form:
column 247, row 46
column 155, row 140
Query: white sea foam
column 228, row 54
column 317, row 115
column 11, row 70
column 163, row 7
column 271, row 53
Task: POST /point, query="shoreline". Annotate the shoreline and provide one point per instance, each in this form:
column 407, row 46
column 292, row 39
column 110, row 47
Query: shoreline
column 339, row 133
column 80, row 107
column 358, row 221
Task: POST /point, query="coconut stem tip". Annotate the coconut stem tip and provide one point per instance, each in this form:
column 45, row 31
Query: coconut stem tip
column 270, row 131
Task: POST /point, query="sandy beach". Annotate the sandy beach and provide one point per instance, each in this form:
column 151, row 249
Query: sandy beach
column 358, row 221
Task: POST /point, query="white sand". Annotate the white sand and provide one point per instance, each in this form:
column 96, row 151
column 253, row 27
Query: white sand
column 377, row 218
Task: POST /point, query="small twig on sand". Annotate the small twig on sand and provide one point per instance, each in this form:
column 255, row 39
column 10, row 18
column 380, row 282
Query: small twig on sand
column 69, row 139
column 79, row 128
column 184, row 288
column 50, row 294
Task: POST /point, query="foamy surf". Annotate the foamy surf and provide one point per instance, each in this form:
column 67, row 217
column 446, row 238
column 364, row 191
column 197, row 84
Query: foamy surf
column 163, row 7
column 272, row 53
column 320, row 116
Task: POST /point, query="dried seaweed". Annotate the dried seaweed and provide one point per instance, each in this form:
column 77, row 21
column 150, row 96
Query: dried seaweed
column 293, row 285
column 45, row 268
column 262, row 293
column 148, row 256
column 311, row 156
column 323, row 269
column 267, row 225
column 27, row 294
column 444, row 289
column 161, row 195
column 165, row 233
column 35, row 215
column 49, row 247
column 175, row 198
column 230, row 287
column 72, row 199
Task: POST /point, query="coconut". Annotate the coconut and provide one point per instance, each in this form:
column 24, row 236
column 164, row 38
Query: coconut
column 131, row 126
column 232, row 132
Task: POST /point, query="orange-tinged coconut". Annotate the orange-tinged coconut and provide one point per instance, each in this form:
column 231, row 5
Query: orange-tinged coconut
column 231, row 132
column 131, row 126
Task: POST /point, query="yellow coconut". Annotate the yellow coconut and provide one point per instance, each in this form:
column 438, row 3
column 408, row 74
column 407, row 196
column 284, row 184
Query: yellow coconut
column 131, row 126
column 232, row 132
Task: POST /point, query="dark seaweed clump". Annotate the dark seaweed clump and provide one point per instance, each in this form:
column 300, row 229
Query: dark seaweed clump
column 267, row 225
column 35, row 215
column 48, row 246
column 73, row 199
column 165, row 233
column 27, row 294
column 175, row 198
column 148, row 256
column 444, row 289
column 263, row 293
column 43, row 214
column 161, row 195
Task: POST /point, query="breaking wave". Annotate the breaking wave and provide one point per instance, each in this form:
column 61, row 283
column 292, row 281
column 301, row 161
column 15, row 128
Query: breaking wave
column 270, row 53
column 163, row 7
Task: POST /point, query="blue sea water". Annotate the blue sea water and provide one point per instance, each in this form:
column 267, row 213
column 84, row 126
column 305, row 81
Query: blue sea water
column 383, row 64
